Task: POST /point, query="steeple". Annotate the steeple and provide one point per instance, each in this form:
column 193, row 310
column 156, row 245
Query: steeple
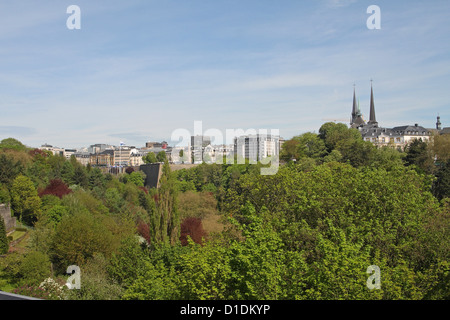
column 372, row 119
column 356, row 120
column 354, row 109
column 438, row 123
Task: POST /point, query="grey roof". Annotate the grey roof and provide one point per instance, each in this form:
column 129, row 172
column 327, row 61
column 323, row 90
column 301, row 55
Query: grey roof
column 411, row 129
column 445, row 130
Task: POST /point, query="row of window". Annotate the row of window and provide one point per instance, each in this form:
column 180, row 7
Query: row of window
column 391, row 140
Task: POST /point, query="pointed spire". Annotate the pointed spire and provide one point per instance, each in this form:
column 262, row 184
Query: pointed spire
column 372, row 118
column 354, row 110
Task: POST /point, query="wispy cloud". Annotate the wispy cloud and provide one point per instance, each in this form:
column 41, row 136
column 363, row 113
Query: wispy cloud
column 141, row 69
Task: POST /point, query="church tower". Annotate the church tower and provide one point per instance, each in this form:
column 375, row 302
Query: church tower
column 372, row 119
column 356, row 119
column 438, row 123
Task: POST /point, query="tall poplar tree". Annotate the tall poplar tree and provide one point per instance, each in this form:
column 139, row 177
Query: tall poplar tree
column 3, row 239
column 166, row 222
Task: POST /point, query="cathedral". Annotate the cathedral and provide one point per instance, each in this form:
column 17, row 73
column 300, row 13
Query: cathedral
column 397, row 137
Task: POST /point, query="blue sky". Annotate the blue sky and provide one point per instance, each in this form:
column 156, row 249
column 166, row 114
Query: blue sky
column 138, row 70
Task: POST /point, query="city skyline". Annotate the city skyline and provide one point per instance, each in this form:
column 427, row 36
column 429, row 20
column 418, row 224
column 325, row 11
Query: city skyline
column 138, row 70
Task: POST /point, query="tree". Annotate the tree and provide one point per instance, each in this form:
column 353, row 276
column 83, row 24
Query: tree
column 193, row 228
column 165, row 221
column 441, row 187
column 357, row 152
column 35, row 267
column 440, row 147
column 80, row 176
column 4, row 246
column 56, row 188
column 128, row 263
column 289, row 150
column 161, row 156
column 9, row 169
column 333, row 134
column 150, row 158
column 78, row 237
column 11, row 143
column 25, row 201
column 417, row 154
column 5, row 198
column 310, row 145
column 181, row 155
column 137, row 178
column 129, row 170
column 96, row 179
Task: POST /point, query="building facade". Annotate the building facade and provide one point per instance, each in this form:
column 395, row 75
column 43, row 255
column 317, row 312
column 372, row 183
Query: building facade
column 256, row 147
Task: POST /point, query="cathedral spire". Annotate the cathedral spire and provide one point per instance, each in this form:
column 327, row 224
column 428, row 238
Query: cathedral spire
column 356, row 120
column 372, row 119
column 354, row 110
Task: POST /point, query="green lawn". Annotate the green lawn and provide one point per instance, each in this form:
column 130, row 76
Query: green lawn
column 17, row 234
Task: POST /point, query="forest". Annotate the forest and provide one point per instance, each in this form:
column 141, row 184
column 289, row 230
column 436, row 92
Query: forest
column 336, row 206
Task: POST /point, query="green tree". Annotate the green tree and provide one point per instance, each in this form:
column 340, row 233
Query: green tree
column 333, row 134
column 11, row 143
column 441, row 187
column 165, row 222
column 96, row 179
column 4, row 195
column 289, row 150
column 35, row 267
column 25, row 201
column 310, row 145
column 78, row 237
column 9, row 169
column 129, row 263
column 440, row 147
column 150, row 158
column 161, row 156
column 137, row 178
column 417, row 154
column 4, row 244
column 80, row 176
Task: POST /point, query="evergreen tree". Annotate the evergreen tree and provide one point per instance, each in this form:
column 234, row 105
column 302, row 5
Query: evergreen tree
column 3, row 239
column 441, row 187
column 165, row 221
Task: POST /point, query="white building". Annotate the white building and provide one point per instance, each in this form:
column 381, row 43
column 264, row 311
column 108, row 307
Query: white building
column 257, row 146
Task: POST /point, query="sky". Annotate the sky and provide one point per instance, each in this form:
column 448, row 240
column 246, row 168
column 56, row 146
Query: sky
column 139, row 70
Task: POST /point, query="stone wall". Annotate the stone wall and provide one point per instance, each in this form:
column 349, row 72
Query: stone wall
column 153, row 172
column 5, row 213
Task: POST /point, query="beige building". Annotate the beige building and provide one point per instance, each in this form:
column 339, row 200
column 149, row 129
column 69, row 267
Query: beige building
column 122, row 156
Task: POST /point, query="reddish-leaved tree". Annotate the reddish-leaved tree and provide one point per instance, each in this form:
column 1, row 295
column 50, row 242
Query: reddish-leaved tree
column 144, row 231
column 57, row 188
column 192, row 227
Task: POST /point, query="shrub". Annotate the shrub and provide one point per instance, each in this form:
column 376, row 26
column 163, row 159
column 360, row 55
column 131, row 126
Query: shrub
column 31, row 291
